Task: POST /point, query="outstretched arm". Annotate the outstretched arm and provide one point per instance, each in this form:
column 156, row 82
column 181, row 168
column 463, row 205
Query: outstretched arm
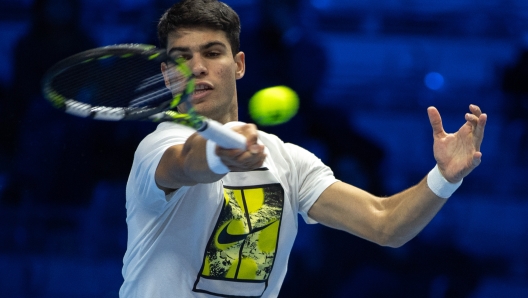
column 186, row 164
column 394, row 220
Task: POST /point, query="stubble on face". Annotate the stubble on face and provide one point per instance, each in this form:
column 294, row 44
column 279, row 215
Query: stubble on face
column 209, row 56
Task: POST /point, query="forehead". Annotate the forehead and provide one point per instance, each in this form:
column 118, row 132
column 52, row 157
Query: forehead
column 196, row 36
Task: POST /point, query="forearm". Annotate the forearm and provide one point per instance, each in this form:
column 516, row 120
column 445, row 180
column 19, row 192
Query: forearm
column 185, row 165
column 389, row 221
column 405, row 214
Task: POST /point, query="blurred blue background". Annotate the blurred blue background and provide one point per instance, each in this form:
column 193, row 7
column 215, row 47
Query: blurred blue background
column 365, row 71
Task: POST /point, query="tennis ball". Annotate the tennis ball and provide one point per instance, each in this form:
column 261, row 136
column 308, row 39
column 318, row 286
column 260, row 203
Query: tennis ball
column 273, row 105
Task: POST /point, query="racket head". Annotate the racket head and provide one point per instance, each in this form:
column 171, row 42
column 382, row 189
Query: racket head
column 119, row 82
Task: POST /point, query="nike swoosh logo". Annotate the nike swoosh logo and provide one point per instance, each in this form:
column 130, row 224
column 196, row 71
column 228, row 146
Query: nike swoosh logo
column 225, row 237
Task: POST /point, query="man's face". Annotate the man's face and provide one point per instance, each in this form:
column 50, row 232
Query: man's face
column 209, row 56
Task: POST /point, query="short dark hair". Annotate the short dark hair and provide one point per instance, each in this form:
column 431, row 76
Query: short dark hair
column 211, row 14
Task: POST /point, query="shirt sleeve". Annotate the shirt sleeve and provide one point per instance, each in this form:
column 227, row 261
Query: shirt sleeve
column 313, row 178
column 141, row 183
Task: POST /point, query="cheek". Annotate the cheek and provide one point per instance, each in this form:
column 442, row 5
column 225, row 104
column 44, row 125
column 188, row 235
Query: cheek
column 227, row 75
column 223, row 72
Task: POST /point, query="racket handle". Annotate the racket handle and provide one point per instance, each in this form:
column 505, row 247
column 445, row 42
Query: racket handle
column 221, row 135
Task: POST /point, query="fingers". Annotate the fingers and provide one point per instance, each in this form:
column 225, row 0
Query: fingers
column 479, row 129
column 250, row 132
column 478, row 120
column 240, row 160
column 475, row 116
column 255, row 148
column 436, row 122
column 471, row 118
column 477, row 158
column 475, row 110
column 244, row 160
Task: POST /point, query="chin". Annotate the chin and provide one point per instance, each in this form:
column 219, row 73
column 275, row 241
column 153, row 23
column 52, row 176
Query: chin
column 205, row 111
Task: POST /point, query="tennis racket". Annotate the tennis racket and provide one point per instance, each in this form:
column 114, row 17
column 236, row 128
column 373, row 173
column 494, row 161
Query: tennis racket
column 124, row 82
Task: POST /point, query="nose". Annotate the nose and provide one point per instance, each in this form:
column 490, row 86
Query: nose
column 198, row 66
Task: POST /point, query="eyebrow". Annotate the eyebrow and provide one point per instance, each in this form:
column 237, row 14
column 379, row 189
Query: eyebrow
column 202, row 47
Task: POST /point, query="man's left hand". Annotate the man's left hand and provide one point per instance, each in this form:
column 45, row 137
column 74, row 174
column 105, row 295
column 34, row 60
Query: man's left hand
column 457, row 154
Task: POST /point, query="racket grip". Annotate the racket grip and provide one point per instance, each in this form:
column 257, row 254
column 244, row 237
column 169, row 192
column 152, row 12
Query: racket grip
column 221, row 135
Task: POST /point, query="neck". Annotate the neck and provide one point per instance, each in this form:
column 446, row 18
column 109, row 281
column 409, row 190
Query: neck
column 231, row 115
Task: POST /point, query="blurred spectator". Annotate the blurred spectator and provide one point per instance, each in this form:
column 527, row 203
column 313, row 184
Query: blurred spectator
column 54, row 34
column 515, row 85
column 42, row 141
column 421, row 271
column 58, row 158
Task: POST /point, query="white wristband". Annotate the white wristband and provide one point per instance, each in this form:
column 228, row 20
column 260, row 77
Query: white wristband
column 439, row 185
column 213, row 161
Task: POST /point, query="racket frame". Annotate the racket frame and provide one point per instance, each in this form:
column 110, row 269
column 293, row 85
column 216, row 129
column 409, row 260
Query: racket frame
column 166, row 111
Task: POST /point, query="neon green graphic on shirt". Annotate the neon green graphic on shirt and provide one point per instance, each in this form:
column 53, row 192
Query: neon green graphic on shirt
column 245, row 239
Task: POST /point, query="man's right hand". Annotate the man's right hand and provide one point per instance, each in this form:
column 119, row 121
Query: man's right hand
column 244, row 160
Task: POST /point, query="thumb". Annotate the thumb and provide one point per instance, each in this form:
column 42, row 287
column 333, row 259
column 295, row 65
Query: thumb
column 436, row 122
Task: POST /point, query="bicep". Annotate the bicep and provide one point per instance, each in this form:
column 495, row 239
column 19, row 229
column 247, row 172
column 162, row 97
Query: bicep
column 167, row 175
column 348, row 208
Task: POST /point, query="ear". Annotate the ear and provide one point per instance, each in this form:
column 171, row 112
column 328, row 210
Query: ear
column 164, row 71
column 240, row 60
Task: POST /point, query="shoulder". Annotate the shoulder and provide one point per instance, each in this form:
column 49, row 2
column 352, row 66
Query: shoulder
column 166, row 134
column 274, row 143
column 170, row 129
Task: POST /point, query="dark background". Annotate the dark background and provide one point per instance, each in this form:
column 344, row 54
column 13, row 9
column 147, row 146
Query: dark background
column 365, row 71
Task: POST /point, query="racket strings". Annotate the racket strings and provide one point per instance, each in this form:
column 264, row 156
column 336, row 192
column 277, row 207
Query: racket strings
column 144, row 99
column 153, row 80
column 119, row 83
column 115, row 82
column 177, row 84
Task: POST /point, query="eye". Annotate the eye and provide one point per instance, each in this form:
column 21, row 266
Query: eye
column 181, row 56
column 213, row 54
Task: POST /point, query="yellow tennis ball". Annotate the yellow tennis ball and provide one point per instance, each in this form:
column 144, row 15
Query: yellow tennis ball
column 273, row 105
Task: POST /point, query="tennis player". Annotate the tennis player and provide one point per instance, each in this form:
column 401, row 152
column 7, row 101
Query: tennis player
column 204, row 221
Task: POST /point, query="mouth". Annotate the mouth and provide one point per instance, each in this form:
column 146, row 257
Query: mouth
column 201, row 90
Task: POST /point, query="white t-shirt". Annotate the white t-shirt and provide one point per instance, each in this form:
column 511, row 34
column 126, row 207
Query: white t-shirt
column 228, row 238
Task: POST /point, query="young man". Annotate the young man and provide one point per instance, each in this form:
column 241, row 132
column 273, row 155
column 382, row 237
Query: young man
column 205, row 221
